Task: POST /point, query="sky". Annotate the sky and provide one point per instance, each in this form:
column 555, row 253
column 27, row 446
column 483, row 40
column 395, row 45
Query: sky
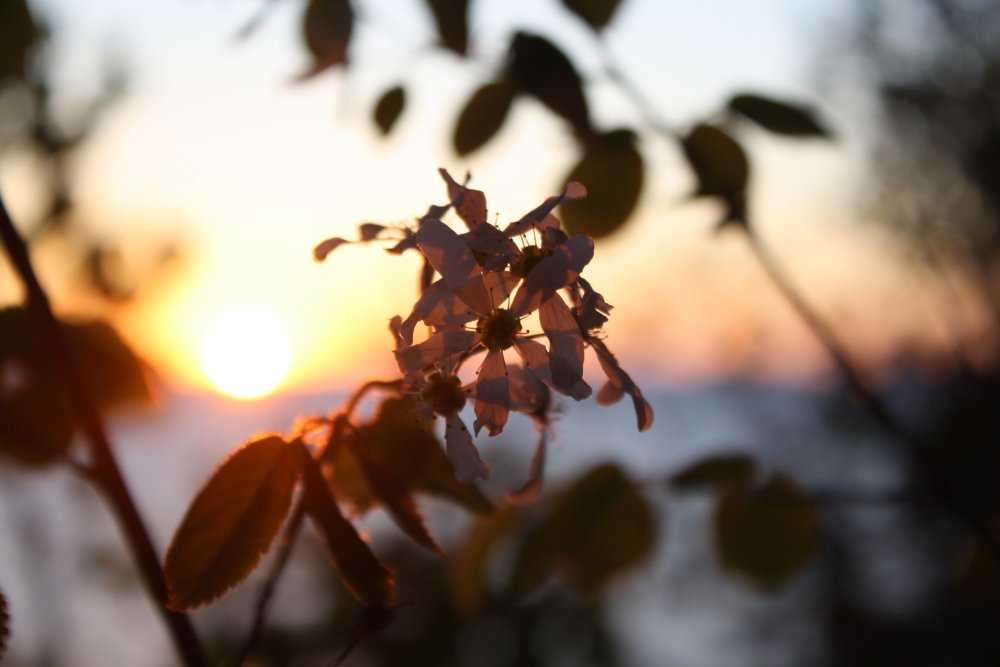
column 216, row 147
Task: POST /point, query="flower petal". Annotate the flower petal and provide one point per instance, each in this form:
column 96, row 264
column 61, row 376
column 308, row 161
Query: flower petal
column 453, row 259
column 326, row 246
column 494, row 248
column 492, row 394
column 536, row 358
column 620, row 380
column 565, row 343
column 462, row 452
column 469, row 204
column 592, row 310
column 529, row 394
column 442, row 344
column 541, row 216
column 437, row 306
column 554, row 272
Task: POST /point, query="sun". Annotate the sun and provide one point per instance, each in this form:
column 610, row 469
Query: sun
column 246, row 351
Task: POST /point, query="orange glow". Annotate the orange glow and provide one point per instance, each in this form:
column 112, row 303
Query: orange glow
column 246, row 351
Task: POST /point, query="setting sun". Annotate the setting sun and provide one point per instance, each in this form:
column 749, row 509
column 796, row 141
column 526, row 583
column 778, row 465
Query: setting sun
column 246, row 352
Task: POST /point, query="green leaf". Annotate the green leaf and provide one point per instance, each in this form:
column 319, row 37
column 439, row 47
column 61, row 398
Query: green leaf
column 231, row 522
column 452, row 20
column 4, row 625
column 767, row 534
column 721, row 168
column 597, row 13
column 362, row 573
column 612, row 170
column 388, row 109
column 18, row 35
column 538, row 68
column 327, row 28
column 482, row 116
column 598, row 528
column 780, row 117
column 724, row 469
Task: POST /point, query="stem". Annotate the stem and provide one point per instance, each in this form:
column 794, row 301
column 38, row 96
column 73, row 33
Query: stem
column 106, row 475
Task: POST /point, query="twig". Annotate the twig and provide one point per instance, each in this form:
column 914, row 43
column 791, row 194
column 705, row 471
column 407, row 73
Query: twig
column 106, row 475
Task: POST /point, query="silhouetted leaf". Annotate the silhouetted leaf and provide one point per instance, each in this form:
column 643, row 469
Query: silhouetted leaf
column 723, row 469
column 612, row 171
column 113, row 374
column 482, row 117
column 597, row 13
column 231, row 522
column 599, row 527
column 468, row 567
column 4, row 625
column 36, row 426
column 362, row 573
column 18, row 33
column 767, row 534
column 721, row 168
column 787, row 118
column 452, row 20
column 388, row 109
column 411, row 454
column 327, row 27
column 537, row 67
column 978, row 575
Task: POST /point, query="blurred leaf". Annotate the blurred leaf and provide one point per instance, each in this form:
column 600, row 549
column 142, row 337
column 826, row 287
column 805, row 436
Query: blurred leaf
column 612, row 171
column 36, row 426
column 388, row 109
column 598, row 527
column 537, row 67
column 4, row 625
column 327, row 27
column 978, row 575
column 597, row 13
column 721, row 168
column 767, row 534
column 113, row 374
column 482, row 117
column 362, row 573
column 724, row 469
column 468, row 566
column 787, row 118
column 231, row 522
column 452, row 20
column 410, row 454
column 18, row 34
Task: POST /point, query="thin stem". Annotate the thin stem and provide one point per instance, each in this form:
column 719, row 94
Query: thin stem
column 105, row 473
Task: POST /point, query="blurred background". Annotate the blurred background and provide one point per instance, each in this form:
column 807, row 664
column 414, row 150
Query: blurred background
column 174, row 163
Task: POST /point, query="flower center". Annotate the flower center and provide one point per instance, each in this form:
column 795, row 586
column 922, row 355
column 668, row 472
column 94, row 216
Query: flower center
column 499, row 329
column 443, row 394
column 527, row 259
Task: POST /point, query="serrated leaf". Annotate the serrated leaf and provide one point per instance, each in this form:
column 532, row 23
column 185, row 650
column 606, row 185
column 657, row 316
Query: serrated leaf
column 598, row 527
column 231, row 522
column 612, row 170
column 721, row 168
column 18, row 35
column 725, row 469
column 539, row 68
column 4, row 625
column 482, row 116
column 467, row 568
column 767, row 534
column 597, row 13
column 388, row 109
column 360, row 571
column 781, row 117
column 327, row 28
column 452, row 20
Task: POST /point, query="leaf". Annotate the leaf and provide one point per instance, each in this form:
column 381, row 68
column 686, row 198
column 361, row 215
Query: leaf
column 780, row 117
column 327, row 29
column 482, row 116
column 767, row 534
column 36, row 426
column 452, row 20
column 388, row 109
column 597, row 13
column 612, row 170
column 467, row 568
column 721, row 168
column 599, row 527
column 112, row 372
column 538, row 68
column 4, row 625
column 231, row 522
column 18, row 35
column 362, row 573
column 724, row 469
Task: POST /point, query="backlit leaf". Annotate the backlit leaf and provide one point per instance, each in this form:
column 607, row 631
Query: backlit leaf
column 721, row 168
column 18, row 33
column 612, row 171
column 599, row 527
column 4, row 625
column 780, row 117
column 482, row 116
column 231, row 522
column 723, row 469
column 537, row 67
column 36, row 426
column 597, row 13
column 114, row 375
column 388, row 109
column 767, row 534
column 327, row 28
column 360, row 571
column 452, row 20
